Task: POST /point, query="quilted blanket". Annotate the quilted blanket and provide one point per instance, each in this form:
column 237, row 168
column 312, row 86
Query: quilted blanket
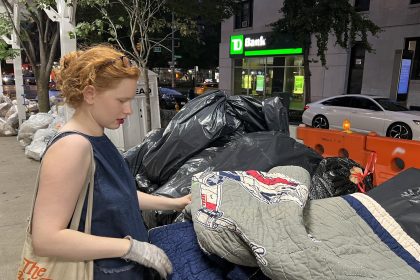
column 264, row 219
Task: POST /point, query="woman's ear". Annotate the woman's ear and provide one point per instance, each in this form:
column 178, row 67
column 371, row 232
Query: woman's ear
column 89, row 93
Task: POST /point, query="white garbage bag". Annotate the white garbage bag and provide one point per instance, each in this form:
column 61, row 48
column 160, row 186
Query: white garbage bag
column 12, row 117
column 29, row 127
column 4, row 107
column 32, row 106
column 5, row 99
column 41, row 138
column 6, row 129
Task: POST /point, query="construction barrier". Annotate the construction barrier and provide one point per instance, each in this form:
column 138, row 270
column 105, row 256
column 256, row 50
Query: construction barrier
column 391, row 155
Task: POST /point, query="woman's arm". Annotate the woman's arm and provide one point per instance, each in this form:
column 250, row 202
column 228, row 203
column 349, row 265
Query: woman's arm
column 63, row 173
column 154, row 202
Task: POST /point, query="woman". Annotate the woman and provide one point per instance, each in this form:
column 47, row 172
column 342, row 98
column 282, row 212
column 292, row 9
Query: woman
column 99, row 83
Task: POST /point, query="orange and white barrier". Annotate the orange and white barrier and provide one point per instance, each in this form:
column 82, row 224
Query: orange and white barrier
column 392, row 155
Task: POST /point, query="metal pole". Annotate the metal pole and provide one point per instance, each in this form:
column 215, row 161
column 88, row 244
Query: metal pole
column 67, row 25
column 173, row 51
column 1, row 80
column 65, row 17
column 17, row 65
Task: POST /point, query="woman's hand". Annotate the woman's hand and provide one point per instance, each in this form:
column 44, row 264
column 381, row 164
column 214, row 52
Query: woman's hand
column 181, row 202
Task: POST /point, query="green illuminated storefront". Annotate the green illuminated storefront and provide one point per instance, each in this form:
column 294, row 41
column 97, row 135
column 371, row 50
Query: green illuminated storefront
column 264, row 66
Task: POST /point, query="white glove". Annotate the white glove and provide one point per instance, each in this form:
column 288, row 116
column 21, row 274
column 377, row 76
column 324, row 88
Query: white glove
column 149, row 255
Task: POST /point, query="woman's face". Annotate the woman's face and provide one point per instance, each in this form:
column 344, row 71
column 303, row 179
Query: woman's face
column 111, row 107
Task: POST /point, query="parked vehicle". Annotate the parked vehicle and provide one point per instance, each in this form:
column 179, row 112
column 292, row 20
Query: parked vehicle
column 8, row 79
column 29, row 79
column 168, row 98
column 366, row 113
column 203, row 87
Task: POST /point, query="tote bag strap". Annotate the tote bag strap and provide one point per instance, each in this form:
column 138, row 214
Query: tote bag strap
column 89, row 184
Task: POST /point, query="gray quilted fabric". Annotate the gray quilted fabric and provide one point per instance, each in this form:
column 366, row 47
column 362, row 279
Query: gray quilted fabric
column 285, row 235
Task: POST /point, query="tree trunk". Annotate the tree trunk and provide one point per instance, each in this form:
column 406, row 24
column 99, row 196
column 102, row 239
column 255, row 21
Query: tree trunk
column 147, row 93
column 42, row 91
column 307, row 72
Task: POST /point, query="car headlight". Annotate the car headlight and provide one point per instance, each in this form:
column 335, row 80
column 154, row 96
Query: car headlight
column 416, row 122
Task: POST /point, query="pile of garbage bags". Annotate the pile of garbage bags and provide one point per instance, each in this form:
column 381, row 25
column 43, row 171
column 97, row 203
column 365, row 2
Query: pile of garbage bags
column 35, row 133
column 216, row 132
column 9, row 120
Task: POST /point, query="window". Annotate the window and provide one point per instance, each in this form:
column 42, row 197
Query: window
column 390, row 105
column 364, row 103
column 339, row 101
column 413, row 45
column 361, row 5
column 263, row 77
column 243, row 18
column 415, row 2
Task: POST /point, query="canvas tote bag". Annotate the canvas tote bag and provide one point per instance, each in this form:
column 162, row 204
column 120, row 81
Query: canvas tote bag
column 44, row 268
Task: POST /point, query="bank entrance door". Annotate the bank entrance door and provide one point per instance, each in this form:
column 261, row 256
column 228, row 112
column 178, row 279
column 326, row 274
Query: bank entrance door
column 270, row 76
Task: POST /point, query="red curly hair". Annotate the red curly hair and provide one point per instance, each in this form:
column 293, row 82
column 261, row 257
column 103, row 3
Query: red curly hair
column 82, row 68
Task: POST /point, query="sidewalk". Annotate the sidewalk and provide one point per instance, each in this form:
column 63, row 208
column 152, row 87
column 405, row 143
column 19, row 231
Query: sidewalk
column 17, row 180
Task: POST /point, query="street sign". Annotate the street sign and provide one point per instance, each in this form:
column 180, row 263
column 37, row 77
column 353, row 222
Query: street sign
column 170, row 63
column 178, row 56
column 157, row 49
column 9, row 61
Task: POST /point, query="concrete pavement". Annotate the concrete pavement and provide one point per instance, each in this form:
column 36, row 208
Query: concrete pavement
column 17, row 180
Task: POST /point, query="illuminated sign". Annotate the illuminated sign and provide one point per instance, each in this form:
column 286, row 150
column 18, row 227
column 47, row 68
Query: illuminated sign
column 404, row 76
column 298, row 86
column 246, row 82
column 262, row 44
column 237, row 44
column 260, row 83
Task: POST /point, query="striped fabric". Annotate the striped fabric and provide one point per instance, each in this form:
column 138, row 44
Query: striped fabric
column 386, row 228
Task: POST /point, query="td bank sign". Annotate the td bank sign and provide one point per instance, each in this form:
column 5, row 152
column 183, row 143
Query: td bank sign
column 261, row 45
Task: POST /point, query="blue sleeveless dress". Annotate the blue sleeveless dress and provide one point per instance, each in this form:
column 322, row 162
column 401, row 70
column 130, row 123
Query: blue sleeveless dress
column 116, row 211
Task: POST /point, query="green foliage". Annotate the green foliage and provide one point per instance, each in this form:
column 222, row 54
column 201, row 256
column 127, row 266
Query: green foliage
column 209, row 10
column 6, row 51
column 322, row 18
column 6, row 27
column 197, row 24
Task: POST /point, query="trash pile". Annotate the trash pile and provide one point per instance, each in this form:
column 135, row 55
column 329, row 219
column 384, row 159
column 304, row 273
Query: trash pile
column 9, row 120
column 216, row 132
column 35, row 132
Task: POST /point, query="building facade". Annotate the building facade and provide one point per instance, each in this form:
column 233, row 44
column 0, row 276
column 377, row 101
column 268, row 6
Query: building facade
column 253, row 62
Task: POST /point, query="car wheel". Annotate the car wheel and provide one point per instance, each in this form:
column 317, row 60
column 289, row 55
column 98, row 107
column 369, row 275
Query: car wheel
column 320, row 122
column 400, row 130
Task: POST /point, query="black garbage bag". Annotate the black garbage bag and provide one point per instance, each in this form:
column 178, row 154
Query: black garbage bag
column 263, row 151
column 210, row 120
column 332, row 178
column 180, row 183
column 135, row 155
column 195, row 127
column 253, row 151
column 248, row 111
column 258, row 151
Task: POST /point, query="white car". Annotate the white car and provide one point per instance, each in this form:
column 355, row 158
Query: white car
column 366, row 113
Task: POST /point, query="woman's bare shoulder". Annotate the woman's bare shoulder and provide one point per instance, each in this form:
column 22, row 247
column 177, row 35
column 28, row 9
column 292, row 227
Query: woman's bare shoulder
column 73, row 146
